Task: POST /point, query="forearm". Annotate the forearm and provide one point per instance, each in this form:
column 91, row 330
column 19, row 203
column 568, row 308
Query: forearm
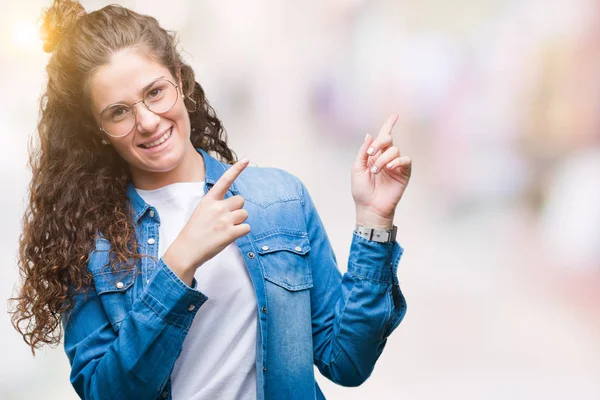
column 368, row 306
column 136, row 361
column 121, row 371
column 351, row 315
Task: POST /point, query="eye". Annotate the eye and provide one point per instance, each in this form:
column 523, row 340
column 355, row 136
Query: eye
column 154, row 93
column 118, row 112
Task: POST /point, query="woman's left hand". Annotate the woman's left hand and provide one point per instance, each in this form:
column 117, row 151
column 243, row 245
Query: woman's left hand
column 380, row 175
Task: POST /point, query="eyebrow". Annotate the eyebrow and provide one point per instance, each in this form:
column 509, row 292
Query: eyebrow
column 141, row 91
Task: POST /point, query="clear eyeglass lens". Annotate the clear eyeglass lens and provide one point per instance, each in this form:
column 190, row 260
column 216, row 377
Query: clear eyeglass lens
column 160, row 97
column 119, row 119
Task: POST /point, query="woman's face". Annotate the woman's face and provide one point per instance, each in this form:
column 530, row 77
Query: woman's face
column 123, row 81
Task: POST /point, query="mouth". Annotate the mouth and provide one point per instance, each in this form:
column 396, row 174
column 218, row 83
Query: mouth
column 158, row 143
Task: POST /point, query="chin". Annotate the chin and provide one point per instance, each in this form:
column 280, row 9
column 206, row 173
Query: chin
column 164, row 164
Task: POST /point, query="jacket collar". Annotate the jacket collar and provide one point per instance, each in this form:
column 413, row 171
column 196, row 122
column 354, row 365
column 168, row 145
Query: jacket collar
column 214, row 171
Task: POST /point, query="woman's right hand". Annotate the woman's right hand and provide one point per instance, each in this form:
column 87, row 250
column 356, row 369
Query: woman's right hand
column 215, row 223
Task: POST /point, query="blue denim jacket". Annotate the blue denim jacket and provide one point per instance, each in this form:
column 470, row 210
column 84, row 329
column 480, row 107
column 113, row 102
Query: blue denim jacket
column 123, row 337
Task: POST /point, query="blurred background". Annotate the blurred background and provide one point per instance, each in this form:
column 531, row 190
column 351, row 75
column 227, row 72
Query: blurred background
column 499, row 104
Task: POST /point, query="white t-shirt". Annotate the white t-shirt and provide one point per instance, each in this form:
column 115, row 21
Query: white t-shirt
column 219, row 351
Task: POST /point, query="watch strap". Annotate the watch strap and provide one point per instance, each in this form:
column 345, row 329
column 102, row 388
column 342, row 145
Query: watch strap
column 377, row 235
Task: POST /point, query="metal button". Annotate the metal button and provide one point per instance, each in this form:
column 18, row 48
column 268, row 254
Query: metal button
column 251, row 255
column 264, row 369
column 147, row 281
column 264, row 309
column 164, row 394
column 265, row 248
column 191, row 307
column 151, row 213
column 298, row 248
column 151, row 241
column 120, row 285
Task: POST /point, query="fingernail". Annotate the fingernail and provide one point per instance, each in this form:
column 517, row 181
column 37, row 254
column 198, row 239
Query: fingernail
column 370, row 151
column 366, row 137
column 390, row 165
column 374, row 169
column 244, row 160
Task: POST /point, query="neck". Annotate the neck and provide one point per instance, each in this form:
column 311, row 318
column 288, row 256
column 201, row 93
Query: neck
column 190, row 169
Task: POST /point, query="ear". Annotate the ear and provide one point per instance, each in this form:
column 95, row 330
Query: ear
column 102, row 137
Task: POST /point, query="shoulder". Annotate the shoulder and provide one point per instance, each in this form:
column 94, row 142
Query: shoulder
column 265, row 185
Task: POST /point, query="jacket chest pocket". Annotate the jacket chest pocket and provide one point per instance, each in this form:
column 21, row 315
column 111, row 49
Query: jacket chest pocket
column 285, row 259
column 114, row 288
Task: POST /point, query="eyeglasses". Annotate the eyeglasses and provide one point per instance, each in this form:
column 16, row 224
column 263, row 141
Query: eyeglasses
column 118, row 120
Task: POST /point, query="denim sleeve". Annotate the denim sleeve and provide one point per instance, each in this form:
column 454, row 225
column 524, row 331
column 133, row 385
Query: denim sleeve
column 353, row 314
column 136, row 361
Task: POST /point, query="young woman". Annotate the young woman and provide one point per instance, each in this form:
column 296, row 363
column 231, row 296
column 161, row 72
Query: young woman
column 174, row 270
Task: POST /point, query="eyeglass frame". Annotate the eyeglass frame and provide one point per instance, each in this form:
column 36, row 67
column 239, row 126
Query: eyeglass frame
column 132, row 106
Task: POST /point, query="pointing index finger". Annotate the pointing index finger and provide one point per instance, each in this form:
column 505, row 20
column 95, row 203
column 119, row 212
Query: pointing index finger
column 386, row 129
column 224, row 183
column 385, row 135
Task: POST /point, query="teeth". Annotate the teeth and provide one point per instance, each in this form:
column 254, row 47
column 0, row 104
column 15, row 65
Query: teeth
column 158, row 141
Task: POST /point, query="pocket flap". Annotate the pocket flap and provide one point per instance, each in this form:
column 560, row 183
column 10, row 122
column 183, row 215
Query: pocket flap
column 295, row 243
column 284, row 257
column 114, row 281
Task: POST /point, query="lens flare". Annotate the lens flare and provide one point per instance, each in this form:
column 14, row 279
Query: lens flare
column 25, row 35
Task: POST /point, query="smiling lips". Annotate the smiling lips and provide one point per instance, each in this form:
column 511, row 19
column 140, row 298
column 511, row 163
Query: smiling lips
column 158, row 141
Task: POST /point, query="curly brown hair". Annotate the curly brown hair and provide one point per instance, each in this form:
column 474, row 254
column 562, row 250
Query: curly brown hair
column 78, row 186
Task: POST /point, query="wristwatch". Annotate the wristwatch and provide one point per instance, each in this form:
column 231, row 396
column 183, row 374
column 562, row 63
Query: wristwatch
column 377, row 235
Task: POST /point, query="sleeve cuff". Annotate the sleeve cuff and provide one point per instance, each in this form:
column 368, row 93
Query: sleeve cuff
column 374, row 261
column 174, row 301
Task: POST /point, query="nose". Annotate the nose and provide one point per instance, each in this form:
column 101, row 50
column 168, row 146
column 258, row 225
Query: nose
column 146, row 120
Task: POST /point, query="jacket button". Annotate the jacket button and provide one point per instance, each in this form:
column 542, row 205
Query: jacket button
column 298, row 248
column 120, row 285
column 151, row 213
column 251, row 255
column 191, row 307
column 265, row 248
column 264, row 309
column 264, row 369
column 151, row 241
column 164, row 394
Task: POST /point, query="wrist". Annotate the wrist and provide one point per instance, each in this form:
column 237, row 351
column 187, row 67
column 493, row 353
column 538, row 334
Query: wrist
column 178, row 264
column 371, row 219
